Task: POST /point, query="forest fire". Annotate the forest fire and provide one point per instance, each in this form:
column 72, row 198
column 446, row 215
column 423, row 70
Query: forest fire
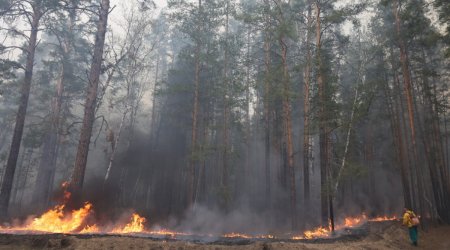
column 56, row 220
column 135, row 226
column 59, row 220
column 237, row 235
column 319, row 232
column 384, row 218
column 354, row 221
column 349, row 222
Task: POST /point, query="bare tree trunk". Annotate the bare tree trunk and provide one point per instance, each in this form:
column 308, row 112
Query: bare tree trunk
column 115, row 145
column 398, row 142
column 404, row 132
column 247, row 112
column 90, row 104
column 406, row 73
column 347, row 143
column 323, row 131
column 288, row 133
column 267, row 106
column 20, row 118
column 306, row 109
column 226, row 111
column 192, row 160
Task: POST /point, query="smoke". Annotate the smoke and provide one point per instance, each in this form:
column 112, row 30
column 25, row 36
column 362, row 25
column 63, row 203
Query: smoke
column 203, row 220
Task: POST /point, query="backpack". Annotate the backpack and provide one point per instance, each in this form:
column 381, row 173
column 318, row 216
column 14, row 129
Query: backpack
column 414, row 219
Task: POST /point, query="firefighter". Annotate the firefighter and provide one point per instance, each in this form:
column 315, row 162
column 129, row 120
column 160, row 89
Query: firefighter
column 411, row 221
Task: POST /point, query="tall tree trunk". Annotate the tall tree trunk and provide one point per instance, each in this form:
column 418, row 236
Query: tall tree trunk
column 323, row 131
column 347, row 143
column 226, row 111
column 20, row 118
column 287, row 120
column 398, row 142
column 246, row 169
column 443, row 170
column 433, row 147
column 90, row 104
column 404, row 132
column 332, row 196
column 192, row 160
column 267, row 106
column 409, row 97
column 306, row 110
column 430, row 155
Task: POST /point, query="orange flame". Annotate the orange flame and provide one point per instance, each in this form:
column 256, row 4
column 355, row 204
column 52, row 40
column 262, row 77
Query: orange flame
column 89, row 229
column 384, row 218
column 354, row 221
column 319, row 232
column 165, row 232
column 136, row 225
column 237, row 235
column 56, row 221
column 247, row 236
column 322, row 232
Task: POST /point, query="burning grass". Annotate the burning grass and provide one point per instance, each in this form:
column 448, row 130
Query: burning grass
column 348, row 222
column 59, row 220
column 56, row 220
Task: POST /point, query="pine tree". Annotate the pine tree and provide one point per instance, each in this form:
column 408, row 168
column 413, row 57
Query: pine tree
column 91, row 100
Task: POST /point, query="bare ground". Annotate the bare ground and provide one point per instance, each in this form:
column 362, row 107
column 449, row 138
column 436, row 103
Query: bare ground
column 390, row 235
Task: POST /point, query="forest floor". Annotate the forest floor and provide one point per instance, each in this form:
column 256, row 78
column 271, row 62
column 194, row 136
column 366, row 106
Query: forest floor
column 377, row 236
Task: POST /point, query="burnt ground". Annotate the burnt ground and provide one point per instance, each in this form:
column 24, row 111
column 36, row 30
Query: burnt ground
column 373, row 235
